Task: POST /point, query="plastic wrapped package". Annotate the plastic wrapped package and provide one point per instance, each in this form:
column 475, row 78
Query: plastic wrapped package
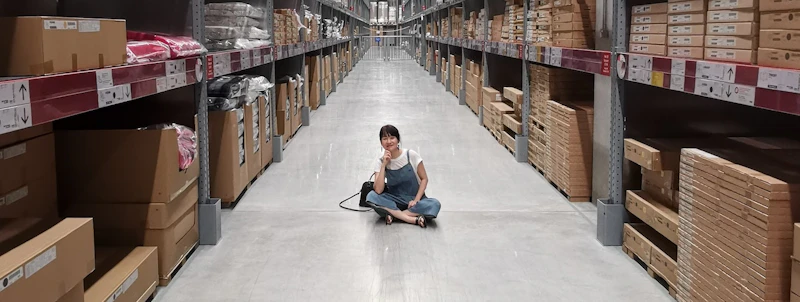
column 223, row 104
column 236, row 44
column 256, row 86
column 179, row 46
column 227, row 32
column 187, row 143
column 234, row 9
column 232, row 21
column 227, row 87
column 147, row 51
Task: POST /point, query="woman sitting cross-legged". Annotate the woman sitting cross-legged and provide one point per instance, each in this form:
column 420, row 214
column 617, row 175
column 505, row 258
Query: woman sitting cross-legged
column 400, row 182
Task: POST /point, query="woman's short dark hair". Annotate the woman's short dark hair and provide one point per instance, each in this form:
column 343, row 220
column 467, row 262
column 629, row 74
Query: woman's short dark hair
column 389, row 130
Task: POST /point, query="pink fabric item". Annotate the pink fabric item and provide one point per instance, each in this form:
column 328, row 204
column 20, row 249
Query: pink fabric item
column 147, row 51
column 179, row 46
column 187, row 146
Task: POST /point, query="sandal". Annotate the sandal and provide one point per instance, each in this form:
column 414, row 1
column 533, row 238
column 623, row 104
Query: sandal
column 383, row 213
column 421, row 222
column 389, row 219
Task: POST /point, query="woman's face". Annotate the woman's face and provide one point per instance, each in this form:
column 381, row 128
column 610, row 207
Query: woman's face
column 389, row 142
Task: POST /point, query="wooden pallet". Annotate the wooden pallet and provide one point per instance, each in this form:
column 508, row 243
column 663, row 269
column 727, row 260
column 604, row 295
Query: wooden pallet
column 536, row 167
column 508, row 148
column 567, row 196
column 181, row 261
column 230, row 205
column 653, row 273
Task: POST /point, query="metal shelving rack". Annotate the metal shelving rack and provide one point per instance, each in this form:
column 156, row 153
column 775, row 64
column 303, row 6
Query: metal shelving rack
column 60, row 96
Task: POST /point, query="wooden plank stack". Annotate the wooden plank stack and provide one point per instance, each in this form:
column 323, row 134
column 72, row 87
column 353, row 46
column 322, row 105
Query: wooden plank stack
column 648, row 29
column 470, row 28
column 736, row 224
column 496, row 28
column 457, row 19
column 480, row 29
column 512, row 122
column 493, row 110
column 474, row 85
column 541, row 27
column 569, row 149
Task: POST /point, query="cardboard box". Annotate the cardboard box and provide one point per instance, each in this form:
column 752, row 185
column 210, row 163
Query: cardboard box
column 649, row 39
column 252, row 139
column 687, row 30
column 746, row 29
column 649, row 29
column 228, row 174
column 513, row 94
column 685, row 52
column 780, row 20
column 173, row 242
column 731, row 42
column 655, row 214
column 688, row 18
column 731, row 55
column 24, row 134
column 73, row 295
column 314, row 68
column 89, row 165
column 571, row 26
column 655, row 8
column 729, row 16
column 573, row 16
column 795, row 287
column 796, row 239
column 687, row 6
column 648, row 49
column 123, row 274
column 295, row 96
column 773, row 5
column 47, row 266
column 649, row 19
column 267, row 128
column 314, row 95
column 572, row 43
column 780, row 38
column 46, row 45
column 728, row 4
column 143, row 216
column 686, row 41
column 28, row 182
column 491, row 95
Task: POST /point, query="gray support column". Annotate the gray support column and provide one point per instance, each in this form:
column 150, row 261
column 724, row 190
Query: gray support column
column 521, row 151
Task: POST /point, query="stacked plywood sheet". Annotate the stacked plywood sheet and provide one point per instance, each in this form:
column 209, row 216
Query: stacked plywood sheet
column 493, row 110
column 570, row 148
column 480, row 26
column 456, row 18
column 474, row 85
column 573, row 23
column 513, row 21
column 540, row 29
column 736, row 224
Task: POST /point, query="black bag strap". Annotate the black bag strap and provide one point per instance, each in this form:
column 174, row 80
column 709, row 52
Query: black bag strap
column 354, row 195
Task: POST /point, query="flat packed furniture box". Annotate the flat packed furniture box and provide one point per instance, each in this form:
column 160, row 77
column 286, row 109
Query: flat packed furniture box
column 123, row 274
column 47, row 45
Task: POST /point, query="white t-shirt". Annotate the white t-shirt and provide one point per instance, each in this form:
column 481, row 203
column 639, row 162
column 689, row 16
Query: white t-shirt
column 401, row 161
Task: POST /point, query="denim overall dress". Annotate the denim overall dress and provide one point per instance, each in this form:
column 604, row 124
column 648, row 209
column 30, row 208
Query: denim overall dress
column 402, row 187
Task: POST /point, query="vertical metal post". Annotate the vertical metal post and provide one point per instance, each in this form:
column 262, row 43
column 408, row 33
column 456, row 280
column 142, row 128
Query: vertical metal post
column 484, row 61
column 521, row 151
column 201, row 94
column 462, row 92
column 611, row 213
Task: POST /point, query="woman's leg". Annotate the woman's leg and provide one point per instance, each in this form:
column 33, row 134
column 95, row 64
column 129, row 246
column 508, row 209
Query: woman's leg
column 428, row 207
column 389, row 203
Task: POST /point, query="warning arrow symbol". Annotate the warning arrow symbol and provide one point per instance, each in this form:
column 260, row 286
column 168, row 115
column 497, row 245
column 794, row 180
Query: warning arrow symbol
column 730, row 73
column 729, row 91
column 25, row 116
column 23, row 90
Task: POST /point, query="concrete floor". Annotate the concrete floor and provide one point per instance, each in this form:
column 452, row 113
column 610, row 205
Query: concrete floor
column 504, row 234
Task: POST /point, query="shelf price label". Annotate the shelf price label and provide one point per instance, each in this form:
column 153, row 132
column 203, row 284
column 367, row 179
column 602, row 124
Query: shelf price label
column 15, row 93
column 244, row 59
column 676, row 82
column 257, row 58
column 222, row 64
column 115, row 95
column 678, row 67
column 15, row 118
column 641, row 62
column 176, row 66
column 716, row 71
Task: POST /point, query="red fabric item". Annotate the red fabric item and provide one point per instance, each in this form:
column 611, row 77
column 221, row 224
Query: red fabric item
column 179, row 46
column 187, row 146
column 147, row 51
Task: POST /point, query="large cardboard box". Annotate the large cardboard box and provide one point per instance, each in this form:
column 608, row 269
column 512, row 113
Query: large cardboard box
column 121, row 166
column 47, row 266
column 267, row 126
column 296, row 95
column 283, row 115
column 173, row 242
column 252, row 139
column 123, row 274
column 314, row 97
column 45, row 45
column 228, row 173
column 778, row 58
column 786, row 39
column 314, row 68
column 284, row 101
column 28, row 182
column 74, row 295
column 25, row 134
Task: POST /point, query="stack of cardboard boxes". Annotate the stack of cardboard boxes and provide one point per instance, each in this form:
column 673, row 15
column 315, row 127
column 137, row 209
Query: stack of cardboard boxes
column 780, row 27
column 795, row 295
column 685, row 36
column 540, row 29
column 570, row 148
column 286, row 29
column 732, row 31
column 513, row 21
column 512, row 122
column 130, row 183
column 573, row 23
column 445, row 29
column 326, row 74
column 493, row 110
column 455, row 76
column 471, row 27
column 312, row 25
column 496, row 28
column 474, row 85
column 457, row 21
column 648, row 29
column 736, row 206
column 314, row 65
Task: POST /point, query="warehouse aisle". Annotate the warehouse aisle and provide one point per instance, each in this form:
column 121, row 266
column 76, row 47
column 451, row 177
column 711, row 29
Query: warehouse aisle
column 504, row 234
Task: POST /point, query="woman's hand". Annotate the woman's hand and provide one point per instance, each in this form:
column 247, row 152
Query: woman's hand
column 387, row 157
column 412, row 203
